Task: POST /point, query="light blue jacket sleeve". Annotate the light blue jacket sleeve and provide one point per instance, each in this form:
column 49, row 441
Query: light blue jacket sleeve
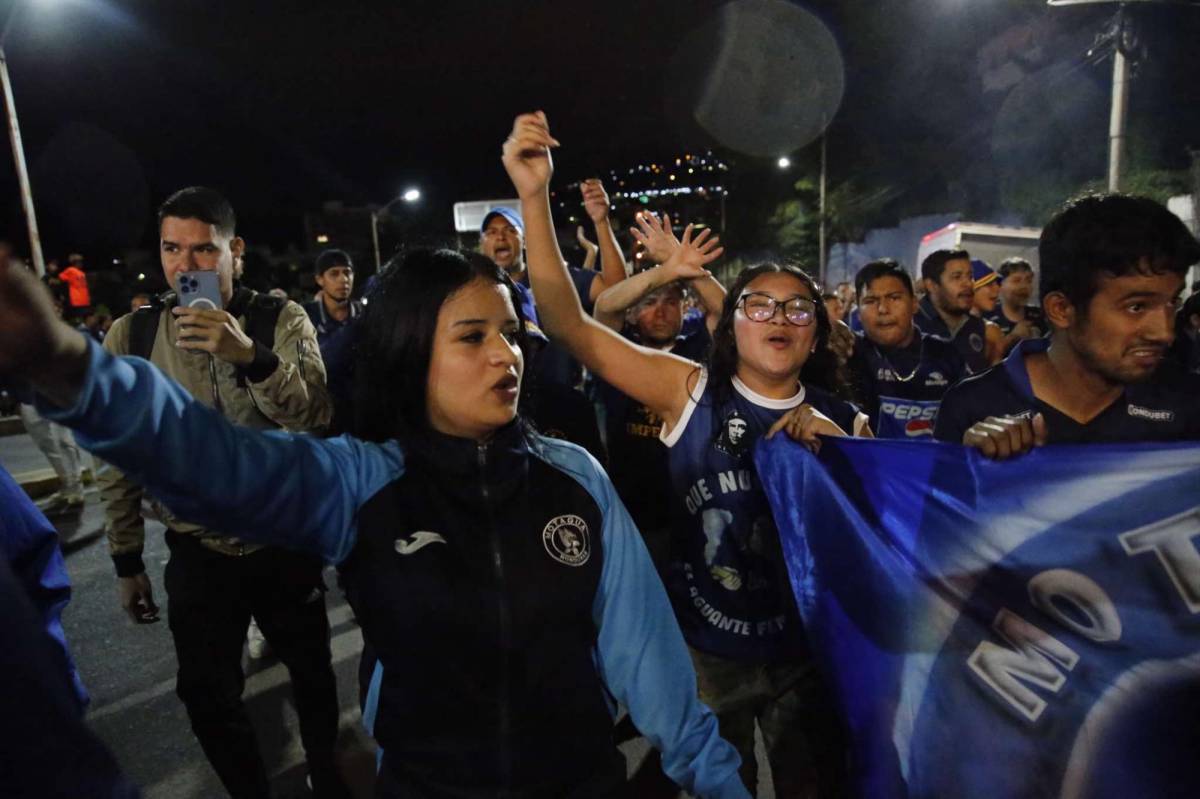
column 641, row 654
column 282, row 489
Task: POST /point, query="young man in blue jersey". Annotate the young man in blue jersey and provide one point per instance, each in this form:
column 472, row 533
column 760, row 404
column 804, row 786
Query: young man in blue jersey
column 899, row 374
column 1112, row 270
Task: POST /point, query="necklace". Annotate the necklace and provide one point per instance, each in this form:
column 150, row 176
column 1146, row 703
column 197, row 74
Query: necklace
column 892, row 369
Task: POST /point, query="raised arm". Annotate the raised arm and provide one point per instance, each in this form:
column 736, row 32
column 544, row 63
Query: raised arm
column 590, row 251
column 612, row 260
column 612, row 304
column 656, row 379
column 274, row 488
column 659, row 240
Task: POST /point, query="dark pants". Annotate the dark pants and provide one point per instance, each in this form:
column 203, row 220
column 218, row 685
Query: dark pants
column 210, row 600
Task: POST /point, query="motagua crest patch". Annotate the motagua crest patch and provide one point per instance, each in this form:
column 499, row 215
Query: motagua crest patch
column 566, row 540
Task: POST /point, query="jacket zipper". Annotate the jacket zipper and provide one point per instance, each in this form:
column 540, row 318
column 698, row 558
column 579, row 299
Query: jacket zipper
column 505, row 621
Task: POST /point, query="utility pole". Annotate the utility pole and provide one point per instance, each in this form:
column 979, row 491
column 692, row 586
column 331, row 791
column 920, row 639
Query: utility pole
column 14, row 138
column 1118, row 120
column 822, row 257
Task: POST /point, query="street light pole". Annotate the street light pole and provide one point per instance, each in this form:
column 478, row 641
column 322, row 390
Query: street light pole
column 821, row 258
column 14, row 137
column 409, row 196
column 375, row 238
column 1120, row 105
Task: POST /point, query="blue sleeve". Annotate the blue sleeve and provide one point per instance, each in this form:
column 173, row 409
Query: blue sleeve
column 641, row 654
column 47, row 748
column 29, row 544
column 276, row 488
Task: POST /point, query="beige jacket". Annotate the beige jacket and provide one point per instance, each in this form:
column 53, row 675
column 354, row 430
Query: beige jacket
column 293, row 397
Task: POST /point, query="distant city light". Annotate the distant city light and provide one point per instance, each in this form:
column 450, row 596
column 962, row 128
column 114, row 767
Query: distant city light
column 322, row 239
column 141, row 275
column 784, row 162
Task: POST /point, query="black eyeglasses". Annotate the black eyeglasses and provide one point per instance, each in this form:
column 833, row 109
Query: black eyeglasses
column 759, row 307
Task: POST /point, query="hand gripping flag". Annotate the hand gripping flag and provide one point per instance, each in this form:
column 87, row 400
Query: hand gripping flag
column 1028, row 628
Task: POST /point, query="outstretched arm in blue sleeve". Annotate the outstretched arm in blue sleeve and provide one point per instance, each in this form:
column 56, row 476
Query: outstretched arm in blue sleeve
column 272, row 487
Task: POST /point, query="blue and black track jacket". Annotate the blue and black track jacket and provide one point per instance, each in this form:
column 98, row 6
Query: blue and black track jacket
column 506, row 597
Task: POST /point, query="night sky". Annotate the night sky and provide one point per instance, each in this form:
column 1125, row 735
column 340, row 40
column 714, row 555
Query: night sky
column 284, row 106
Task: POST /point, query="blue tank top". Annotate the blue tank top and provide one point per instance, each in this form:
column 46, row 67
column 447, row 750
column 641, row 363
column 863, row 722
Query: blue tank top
column 726, row 577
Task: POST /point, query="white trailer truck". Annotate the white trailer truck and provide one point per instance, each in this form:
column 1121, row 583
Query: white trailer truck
column 992, row 243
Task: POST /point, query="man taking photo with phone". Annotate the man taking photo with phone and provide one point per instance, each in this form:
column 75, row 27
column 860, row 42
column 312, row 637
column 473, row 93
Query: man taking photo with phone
column 254, row 359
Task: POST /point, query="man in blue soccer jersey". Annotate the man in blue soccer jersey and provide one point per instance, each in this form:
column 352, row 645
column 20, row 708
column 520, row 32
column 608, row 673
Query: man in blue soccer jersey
column 899, row 374
column 1112, row 269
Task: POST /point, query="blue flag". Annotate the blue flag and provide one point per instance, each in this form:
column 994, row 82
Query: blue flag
column 1028, row 628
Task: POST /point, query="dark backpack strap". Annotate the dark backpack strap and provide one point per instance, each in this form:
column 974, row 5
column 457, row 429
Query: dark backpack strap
column 143, row 327
column 262, row 314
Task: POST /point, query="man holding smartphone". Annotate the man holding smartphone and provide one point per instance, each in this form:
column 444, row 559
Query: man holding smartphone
column 254, row 359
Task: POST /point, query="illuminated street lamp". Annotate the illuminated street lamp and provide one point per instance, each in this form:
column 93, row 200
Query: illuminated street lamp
column 410, row 196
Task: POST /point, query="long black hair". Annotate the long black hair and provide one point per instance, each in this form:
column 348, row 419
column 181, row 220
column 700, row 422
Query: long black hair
column 394, row 338
column 821, row 368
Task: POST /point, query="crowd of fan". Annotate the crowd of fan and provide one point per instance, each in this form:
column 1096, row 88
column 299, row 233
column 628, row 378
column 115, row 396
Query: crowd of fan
column 510, row 595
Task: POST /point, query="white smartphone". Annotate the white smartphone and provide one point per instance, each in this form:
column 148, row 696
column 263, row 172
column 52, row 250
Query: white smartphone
column 200, row 289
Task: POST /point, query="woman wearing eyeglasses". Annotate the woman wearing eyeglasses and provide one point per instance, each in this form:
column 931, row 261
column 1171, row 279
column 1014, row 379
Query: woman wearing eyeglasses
column 726, row 578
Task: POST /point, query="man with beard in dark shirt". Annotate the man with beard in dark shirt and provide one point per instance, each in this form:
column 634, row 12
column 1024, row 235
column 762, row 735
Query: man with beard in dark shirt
column 946, row 310
column 1113, row 268
column 899, row 374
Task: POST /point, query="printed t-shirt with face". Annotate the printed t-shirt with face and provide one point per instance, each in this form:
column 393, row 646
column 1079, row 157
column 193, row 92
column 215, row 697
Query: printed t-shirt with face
column 1164, row 408
column 901, row 388
column 726, row 577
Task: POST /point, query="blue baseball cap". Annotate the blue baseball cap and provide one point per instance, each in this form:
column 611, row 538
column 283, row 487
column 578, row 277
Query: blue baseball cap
column 512, row 216
column 982, row 273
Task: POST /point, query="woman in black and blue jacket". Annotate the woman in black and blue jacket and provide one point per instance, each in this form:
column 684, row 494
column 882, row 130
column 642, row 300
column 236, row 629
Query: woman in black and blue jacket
column 505, row 595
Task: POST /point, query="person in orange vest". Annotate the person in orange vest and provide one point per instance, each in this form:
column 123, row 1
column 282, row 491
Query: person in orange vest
column 79, row 299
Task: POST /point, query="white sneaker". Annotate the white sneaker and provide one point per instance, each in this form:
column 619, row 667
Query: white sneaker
column 256, row 642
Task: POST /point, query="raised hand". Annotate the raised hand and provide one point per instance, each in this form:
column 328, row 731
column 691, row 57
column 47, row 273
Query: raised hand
column 590, row 250
column 657, row 237
column 688, row 260
column 526, row 154
column 595, row 200
column 589, row 247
